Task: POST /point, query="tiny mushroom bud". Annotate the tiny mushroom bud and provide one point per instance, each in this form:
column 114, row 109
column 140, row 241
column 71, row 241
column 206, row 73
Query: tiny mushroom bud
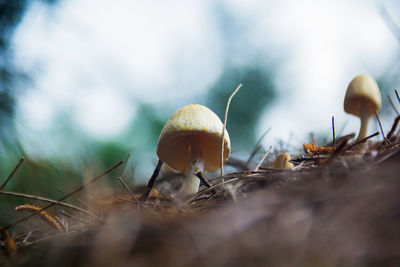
column 190, row 143
column 362, row 99
column 283, row 162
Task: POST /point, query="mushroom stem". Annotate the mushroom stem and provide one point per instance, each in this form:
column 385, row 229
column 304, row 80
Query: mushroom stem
column 190, row 186
column 363, row 128
column 191, row 183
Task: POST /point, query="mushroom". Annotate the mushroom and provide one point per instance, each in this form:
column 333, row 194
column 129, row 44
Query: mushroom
column 362, row 99
column 283, row 162
column 190, row 143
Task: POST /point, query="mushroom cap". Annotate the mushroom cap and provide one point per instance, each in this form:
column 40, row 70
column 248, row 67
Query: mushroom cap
column 362, row 97
column 282, row 161
column 192, row 135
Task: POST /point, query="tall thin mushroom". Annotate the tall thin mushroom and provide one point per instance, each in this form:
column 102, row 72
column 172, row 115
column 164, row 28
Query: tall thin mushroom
column 362, row 99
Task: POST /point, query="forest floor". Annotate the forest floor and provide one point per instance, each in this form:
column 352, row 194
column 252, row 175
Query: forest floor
column 338, row 206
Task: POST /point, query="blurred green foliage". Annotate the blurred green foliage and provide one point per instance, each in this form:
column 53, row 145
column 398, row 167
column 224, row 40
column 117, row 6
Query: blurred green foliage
column 256, row 95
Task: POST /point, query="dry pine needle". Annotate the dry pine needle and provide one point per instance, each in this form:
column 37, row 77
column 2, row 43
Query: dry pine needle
column 42, row 215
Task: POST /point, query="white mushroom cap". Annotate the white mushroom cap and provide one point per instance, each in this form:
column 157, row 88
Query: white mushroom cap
column 193, row 135
column 363, row 97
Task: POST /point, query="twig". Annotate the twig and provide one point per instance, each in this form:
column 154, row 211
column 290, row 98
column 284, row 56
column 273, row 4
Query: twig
column 224, row 129
column 138, row 204
column 333, row 131
column 397, row 95
column 263, row 158
column 55, row 202
column 394, row 126
column 361, row 141
column 380, row 126
column 203, row 179
column 128, row 190
column 67, row 195
column 152, row 180
column 12, row 173
column 336, row 152
column 348, row 137
column 257, row 146
column 393, row 106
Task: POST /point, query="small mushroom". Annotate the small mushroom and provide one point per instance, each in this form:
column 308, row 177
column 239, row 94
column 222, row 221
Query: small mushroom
column 190, row 143
column 283, row 162
column 362, row 99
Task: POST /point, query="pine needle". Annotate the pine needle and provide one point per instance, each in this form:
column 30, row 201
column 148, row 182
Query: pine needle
column 224, row 129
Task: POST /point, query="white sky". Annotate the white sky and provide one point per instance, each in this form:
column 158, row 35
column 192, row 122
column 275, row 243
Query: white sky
column 96, row 60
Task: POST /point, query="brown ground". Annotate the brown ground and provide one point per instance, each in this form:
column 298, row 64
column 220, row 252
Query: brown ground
column 337, row 209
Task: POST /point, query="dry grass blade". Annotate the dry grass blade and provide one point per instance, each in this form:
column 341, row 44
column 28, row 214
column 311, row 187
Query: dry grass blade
column 393, row 106
column 397, row 95
column 263, row 158
column 128, row 190
column 381, row 128
column 12, row 173
column 138, row 204
column 43, row 215
column 224, row 129
column 394, row 126
column 68, row 195
column 361, row 141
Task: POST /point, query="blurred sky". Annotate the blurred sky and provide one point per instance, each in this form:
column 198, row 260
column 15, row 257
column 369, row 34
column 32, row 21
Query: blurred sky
column 96, row 61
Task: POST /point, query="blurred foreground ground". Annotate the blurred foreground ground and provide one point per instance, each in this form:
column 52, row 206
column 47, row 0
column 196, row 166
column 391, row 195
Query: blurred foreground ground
column 336, row 209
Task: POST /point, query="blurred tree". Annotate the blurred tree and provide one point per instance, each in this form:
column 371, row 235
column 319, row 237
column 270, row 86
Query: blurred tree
column 11, row 13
